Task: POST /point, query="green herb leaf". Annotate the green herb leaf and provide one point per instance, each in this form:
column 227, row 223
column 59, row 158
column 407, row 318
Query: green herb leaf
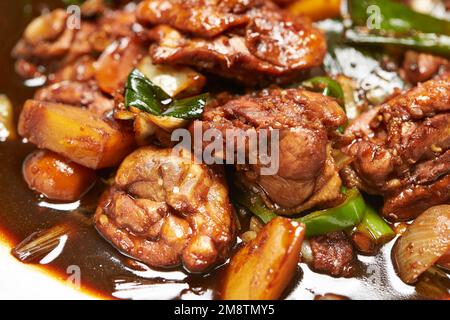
column 189, row 108
column 143, row 94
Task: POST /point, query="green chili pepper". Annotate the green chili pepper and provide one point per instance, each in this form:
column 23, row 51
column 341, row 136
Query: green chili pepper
column 398, row 25
column 327, row 87
column 395, row 17
column 427, row 42
column 342, row 217
column 372, row 232
column 255, row 204
column 347, row 215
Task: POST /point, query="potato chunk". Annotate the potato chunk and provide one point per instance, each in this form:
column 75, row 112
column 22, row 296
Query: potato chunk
column 56, row 177
column 263, row 268
column 76, row 133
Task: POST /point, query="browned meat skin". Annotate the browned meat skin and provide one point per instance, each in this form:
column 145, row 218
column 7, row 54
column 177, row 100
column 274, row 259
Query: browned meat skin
column 80, row 70
column 165, row 211
column 248, row 41
column 401, row 150
column 333, row 254
column 420, row 67
column 307, row 176
column 84, row 94
column 205, row 18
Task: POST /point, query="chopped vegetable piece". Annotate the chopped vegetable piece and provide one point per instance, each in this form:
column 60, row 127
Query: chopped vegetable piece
column 396, row 17
column 347, row 215
column 40, row 244
column 434, row 284
column 372, row 232
column 78, row 134
column 263, row 268
column 425, row 241
column 316, row 9
column 342, row 217
column 144, row 95
column 56, row 177
column 255, row 204
column 189, row 108
column 427, row 42
column 398, row 26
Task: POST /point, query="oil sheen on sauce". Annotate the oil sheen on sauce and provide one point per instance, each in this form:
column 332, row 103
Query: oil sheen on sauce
column 105, row 271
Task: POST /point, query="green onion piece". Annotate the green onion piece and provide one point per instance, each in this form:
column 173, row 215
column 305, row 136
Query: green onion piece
column 40, row 243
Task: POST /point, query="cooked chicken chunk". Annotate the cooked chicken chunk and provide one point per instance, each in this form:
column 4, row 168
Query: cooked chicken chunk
column 244, row 40
column 83, row 94
column 52, row 43
column 307, row 175
column 402, row 150
column 165, row 211
column 420, row 67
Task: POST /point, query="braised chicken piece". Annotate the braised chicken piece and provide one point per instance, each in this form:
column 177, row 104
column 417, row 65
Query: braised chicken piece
column 83, row 94
column 420, row 67
column 57, row 45
column 401, row 150
column 249, row 41
column 165, row 211
column 306, row 175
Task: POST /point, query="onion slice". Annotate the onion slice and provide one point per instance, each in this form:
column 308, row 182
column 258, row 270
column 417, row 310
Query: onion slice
column 425, row 241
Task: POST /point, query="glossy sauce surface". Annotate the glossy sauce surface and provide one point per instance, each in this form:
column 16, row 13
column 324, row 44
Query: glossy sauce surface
column 105, row 271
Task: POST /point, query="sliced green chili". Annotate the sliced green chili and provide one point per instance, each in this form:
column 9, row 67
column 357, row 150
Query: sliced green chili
column 255, row 204
column 347, row 215
column 426, row 42
column 385, row 22
column 394, row 16
column 342, row 217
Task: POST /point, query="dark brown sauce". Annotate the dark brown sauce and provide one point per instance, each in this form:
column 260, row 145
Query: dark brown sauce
column 104, row 271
